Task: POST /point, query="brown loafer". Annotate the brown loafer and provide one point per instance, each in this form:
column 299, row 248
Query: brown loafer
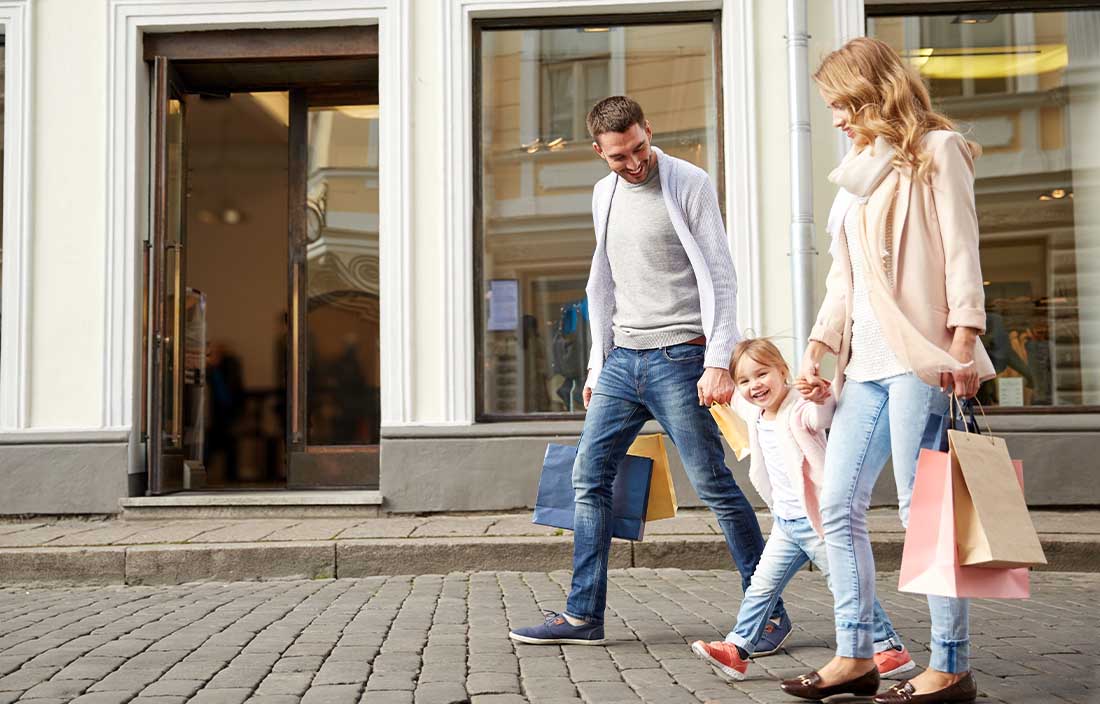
column 962, row 692
column 809, row 686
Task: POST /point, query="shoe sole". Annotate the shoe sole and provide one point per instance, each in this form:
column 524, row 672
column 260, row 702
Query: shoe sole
column 556, row 641
column 766, row 653
column 898, row 670
column 724, row 671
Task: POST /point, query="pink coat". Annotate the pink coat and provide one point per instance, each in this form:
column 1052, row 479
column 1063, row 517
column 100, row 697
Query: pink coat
column 803, row 449
column 933, row 259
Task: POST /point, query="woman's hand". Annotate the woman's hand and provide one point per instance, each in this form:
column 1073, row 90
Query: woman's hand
column 964, row 382
column 811, row 360
column 814, row 389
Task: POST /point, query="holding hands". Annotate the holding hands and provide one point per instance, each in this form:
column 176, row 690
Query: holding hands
column 813, row 388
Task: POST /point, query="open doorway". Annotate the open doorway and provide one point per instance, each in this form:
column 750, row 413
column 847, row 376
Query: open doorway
column 263, row 305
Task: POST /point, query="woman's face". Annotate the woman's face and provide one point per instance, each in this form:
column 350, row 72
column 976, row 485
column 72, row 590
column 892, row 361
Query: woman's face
column 842, row 120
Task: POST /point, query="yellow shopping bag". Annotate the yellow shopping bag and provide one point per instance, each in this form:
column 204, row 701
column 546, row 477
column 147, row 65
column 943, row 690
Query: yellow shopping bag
column 662, row 495
column 733, row 429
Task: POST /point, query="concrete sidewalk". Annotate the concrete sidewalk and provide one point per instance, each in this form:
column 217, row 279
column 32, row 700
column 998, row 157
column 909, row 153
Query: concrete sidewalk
column 116, row 551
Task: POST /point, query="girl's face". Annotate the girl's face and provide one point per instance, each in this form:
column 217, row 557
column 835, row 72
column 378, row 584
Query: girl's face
column 761, row 385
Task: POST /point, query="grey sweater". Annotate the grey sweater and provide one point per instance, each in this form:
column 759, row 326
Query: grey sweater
column 692, row 206
column 656, row 295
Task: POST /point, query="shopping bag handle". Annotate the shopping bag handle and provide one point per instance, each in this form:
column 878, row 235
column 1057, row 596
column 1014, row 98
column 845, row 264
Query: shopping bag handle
column 965, row 407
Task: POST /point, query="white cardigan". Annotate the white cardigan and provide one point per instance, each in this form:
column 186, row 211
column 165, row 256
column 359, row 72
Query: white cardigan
column 801, row 433
column 693, row 209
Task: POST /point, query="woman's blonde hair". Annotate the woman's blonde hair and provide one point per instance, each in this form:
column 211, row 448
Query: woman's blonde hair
column 884, row 97
column 762, row 351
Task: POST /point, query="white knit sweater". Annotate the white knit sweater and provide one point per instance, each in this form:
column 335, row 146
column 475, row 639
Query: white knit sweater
column 871, row 358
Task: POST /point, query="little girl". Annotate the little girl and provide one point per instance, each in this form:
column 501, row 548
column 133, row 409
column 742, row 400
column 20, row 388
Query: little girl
column 787, row 442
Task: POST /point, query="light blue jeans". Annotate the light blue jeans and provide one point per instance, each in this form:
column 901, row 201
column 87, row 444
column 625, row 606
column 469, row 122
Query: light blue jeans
column 791, row 545
column 874, row 421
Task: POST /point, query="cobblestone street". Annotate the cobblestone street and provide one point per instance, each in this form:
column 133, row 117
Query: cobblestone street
column 445, row 639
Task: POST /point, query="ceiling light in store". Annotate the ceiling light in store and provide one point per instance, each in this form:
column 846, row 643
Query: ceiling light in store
column 596, row 29
column 556, row 144
column 1056, row 194
column 979, row 18
column 532, row 147
column 989, row 62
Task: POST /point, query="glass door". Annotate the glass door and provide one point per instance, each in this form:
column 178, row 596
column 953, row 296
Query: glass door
column 334, row 382
column 164, row 247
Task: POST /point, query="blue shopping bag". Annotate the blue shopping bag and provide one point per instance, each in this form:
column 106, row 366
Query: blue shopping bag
column 630, row 492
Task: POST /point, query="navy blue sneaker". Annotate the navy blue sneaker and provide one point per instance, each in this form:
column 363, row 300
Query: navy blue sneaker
column 557, row 631
column 775, row 635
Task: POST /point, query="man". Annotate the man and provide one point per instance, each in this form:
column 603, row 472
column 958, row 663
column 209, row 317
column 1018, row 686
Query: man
column 662, row 303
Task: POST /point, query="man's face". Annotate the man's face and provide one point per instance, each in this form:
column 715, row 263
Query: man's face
column 628, row 153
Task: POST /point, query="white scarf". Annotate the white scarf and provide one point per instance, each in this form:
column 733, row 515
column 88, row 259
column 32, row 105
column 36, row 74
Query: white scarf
column 861, row 172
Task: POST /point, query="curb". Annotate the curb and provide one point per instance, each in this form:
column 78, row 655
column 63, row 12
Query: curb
column 229, row 562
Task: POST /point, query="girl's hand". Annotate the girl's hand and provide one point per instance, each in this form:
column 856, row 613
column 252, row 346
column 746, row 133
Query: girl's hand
column 814, row 388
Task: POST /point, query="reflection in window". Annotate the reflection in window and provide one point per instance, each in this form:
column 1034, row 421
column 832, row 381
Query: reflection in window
column 1026, row 86
column 343, row 370
column 537, row 172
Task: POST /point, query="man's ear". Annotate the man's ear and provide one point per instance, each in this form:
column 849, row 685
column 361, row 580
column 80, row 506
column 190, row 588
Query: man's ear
column 596, row 148
column 648, row 130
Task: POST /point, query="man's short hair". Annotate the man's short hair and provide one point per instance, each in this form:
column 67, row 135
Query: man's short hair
column 614, row 114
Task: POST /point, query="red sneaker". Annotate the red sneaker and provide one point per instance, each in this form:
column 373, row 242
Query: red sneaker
column 893, row 662
column 723, row 657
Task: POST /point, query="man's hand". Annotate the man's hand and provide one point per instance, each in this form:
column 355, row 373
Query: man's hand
column 587, row 394
column 964, row 382
column 715, row 386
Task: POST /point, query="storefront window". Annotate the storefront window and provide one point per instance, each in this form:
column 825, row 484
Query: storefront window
column 1026, row 86
column 537, row 168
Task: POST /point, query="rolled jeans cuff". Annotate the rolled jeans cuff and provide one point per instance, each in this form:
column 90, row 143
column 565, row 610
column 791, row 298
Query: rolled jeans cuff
column 883, row 645
column 950, row 656
column 855, row 639
column 740, row 641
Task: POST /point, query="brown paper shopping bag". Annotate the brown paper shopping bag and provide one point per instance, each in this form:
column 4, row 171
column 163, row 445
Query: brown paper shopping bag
column 662, row 495
column 733, row 429
column 992, row 524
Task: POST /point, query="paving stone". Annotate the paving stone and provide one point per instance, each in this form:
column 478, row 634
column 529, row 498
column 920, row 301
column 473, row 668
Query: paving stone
column 492, row 683
column 606, row 692
column 26, row 677
column 440, row 693
column 332, row 694
column 172, row 688
column 386, row 697
column 92, row 668
column 58, row 689
column 221, row 696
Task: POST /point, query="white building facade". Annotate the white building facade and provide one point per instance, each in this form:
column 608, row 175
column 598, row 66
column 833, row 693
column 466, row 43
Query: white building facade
column 342, row 244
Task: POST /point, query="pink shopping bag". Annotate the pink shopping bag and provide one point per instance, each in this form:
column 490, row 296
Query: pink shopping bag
column 930, row 561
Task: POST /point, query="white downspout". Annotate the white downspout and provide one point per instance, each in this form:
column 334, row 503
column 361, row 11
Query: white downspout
column 802, row 205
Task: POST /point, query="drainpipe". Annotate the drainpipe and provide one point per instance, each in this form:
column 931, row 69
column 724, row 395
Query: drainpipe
column 802, row 203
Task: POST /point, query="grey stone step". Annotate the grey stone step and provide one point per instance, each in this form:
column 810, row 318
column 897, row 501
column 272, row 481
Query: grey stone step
column 254, row 504
column 197, row 562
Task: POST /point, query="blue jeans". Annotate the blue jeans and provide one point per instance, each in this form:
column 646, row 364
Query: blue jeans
column 635, row 386
column 791, row 545
column 874, row 421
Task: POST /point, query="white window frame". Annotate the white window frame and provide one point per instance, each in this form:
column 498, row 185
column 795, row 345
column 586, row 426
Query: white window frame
column 739, row 139
column 15, row 16
column 128, row 160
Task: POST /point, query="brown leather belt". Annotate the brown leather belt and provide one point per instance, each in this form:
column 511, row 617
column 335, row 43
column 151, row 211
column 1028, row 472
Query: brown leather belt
column 701, row 341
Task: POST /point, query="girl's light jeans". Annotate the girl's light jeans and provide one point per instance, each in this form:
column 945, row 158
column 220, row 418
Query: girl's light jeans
column 790, row 546
column 875, row 421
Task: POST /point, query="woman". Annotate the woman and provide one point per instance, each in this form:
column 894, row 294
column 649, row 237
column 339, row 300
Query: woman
column 903, row 310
